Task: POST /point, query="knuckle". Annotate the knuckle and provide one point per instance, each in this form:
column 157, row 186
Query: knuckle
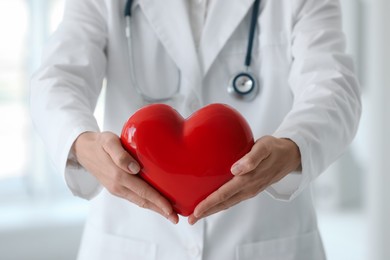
column 224, row 205
column 252, row 193
column 223, row 196
column 122, row 158
column 104, row 136
column 266, row 141
column 107, row 138
column 117, row 177
column 242, row 180
column 115, row 189
column 250, row 162
column 142, row 203
column 141, row 192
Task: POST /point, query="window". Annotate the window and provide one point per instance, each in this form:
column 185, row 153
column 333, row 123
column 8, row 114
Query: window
column 24, row 168
column 12, row 93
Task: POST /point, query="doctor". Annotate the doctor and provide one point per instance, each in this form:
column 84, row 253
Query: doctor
column 298, row 93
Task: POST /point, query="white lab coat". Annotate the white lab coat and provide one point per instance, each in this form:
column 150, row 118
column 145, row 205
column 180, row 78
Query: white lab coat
column 308, row 93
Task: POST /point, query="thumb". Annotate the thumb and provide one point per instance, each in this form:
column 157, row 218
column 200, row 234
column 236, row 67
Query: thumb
column 119, row 155
column 259, row 152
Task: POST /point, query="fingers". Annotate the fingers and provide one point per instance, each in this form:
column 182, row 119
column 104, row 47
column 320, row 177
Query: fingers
column 223, row 194
column 137, row 191
column 223, row 205
column 240, row 188
column 259, row 152
column 102, row 155
column 269, row 160
column 111, row 145
column 148, row 204
column 145, row 192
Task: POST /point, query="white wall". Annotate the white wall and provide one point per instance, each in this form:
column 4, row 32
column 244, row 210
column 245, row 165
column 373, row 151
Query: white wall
column 49, row 230
column 378, row 120
column 353, row 196
column 59, row 241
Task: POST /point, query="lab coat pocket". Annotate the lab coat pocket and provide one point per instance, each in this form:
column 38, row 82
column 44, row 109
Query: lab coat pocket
column 108, row 246
column 303, row 247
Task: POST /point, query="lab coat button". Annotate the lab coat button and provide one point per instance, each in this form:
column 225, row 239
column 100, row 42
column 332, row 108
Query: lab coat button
column 194, row 251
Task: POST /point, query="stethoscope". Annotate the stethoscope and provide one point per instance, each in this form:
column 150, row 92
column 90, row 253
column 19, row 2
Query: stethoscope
column 243, row 85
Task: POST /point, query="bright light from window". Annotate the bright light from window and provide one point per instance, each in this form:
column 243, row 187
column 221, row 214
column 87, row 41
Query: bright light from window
column 13, row 140
column 15, row 125
column 56, row 15
column 13, row 112
column 13, row 26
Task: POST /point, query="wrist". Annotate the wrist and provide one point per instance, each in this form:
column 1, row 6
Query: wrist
column 294, row 152
column 82, row 141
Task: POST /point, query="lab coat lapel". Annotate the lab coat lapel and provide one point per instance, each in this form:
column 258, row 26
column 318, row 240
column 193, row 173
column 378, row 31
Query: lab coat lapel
column 223, row 18
column 171, row 23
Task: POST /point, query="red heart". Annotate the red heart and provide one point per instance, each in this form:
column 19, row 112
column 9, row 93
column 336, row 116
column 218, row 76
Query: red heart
column 186, row 160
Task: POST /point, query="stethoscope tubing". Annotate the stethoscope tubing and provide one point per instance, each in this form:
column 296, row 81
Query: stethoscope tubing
column 233, row 88
column 252, row 30
column 145, row 97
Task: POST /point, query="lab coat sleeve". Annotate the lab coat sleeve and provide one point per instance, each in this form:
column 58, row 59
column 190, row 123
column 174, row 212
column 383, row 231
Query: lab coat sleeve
column 327, row 106
column 65, row 89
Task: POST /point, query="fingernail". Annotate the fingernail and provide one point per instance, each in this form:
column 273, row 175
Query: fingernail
column 237, row 169
column 197, row 214
column 193, row 222
column 134, row 167
column 172, row 219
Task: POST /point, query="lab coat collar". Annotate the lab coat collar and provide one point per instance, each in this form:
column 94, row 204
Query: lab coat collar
column 170, row 21
column 223, row 18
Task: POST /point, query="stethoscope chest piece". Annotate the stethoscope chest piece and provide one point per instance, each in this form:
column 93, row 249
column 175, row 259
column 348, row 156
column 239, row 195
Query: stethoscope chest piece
column 243, row 86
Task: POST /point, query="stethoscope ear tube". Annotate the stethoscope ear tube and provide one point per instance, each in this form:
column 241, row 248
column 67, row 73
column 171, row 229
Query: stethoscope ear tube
column 244, row 85
column 146, row 98
column 129, row 4
column 255, row 15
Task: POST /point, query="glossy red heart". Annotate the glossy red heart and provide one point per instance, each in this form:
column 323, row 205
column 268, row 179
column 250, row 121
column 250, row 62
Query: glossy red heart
column 186, row 160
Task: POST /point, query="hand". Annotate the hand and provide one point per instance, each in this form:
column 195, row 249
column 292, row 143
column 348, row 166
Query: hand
column 269, row 160
column 103, row 156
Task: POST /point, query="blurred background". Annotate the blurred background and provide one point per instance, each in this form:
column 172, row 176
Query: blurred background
column 40, row 219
